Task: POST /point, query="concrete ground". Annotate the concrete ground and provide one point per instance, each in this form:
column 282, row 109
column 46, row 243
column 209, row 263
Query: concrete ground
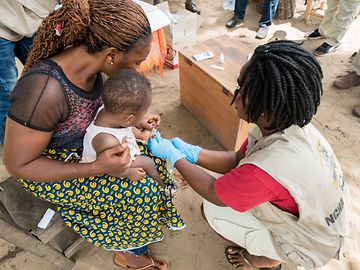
column 198, row 247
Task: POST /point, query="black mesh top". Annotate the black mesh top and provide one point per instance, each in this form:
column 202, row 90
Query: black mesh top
column 44, row 99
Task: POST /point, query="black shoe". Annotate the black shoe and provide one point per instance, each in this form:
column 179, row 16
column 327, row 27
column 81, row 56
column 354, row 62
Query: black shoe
column 315, row 34
column 326, row 49
column 233, row 22
column 192, row 7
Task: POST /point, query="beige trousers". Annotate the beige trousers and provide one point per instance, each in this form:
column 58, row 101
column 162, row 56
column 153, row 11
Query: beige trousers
column 356, row 63
column 338, row 18
column 244, row 229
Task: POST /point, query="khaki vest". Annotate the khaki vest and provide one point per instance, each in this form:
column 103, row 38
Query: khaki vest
column 19, row 18
column 303, row 162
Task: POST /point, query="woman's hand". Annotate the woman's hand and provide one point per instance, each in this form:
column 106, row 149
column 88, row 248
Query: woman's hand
column 192, row 152
column 164, row 149
column 114, row 160
column 149, row 122
column 23, row 157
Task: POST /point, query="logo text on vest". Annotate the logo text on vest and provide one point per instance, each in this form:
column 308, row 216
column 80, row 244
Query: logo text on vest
column 335, row 214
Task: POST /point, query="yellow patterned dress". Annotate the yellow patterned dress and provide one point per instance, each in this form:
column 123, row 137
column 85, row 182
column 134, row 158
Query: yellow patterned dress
column 113, row 213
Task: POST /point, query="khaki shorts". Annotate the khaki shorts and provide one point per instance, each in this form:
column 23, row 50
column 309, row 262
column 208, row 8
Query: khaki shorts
column 244, row 229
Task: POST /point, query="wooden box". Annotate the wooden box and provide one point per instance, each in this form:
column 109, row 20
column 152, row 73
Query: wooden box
column 207, row 92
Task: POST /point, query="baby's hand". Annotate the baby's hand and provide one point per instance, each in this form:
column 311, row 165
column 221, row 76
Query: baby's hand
column 146, row 135
column 155, row 121
column 136, row 174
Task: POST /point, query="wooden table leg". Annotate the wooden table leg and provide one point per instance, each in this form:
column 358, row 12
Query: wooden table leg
column 308, row 10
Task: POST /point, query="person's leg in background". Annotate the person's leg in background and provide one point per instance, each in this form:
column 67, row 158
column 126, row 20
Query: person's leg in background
column 246, row 232
column 335, row 29
column 9, row 73
column 8, row 77
column 22, row 48
column 239, row 13
column 191, row 6
column 351, row 79
column 268, row 13
column 330, row 12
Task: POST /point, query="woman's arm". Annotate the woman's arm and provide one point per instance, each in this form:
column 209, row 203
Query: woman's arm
column 199, row 180
column 219, row 161
column 23, row 157
column 216, row 161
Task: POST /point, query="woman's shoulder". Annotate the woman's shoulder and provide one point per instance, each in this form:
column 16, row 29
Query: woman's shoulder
column 47, row 68
column 36, row 82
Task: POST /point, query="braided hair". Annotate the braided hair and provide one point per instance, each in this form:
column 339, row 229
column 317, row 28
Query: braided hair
column 95, row 23
column 283, row 82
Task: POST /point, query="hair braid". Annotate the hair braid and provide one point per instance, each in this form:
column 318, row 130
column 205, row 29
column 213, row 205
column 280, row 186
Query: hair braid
column 283, row 82
column 95, row 23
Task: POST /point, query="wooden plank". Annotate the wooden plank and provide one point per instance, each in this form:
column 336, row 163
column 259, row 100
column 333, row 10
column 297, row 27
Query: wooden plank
column 15, row 235
column 72, row 249
column 4, row 214
column 308, row 10
column 49, row 233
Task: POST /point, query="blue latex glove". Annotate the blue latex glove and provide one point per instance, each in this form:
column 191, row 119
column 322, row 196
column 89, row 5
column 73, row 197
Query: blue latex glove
column 191, row 151
column 163, row 148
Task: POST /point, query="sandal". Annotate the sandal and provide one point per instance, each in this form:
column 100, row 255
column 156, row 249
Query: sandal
column 240, row 252
column 123, row 263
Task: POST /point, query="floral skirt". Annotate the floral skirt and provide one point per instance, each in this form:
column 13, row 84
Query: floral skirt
column 110, row 212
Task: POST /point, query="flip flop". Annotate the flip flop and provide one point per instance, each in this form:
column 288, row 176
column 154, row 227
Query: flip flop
column 123, row 263
column 240, row 253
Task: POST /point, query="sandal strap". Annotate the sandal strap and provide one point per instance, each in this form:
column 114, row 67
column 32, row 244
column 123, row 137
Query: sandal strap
column 146, row 266
column 140, row 268
column 242, row 255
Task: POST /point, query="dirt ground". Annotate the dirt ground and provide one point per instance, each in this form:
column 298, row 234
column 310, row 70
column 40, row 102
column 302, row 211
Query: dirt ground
column 198, row 247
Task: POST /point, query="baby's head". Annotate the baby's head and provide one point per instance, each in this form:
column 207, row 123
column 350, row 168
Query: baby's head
column 127, row 96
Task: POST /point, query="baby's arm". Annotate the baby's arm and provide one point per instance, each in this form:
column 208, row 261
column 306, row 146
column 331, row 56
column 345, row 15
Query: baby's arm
column 103, row 141
column 142, row 135
column 148, row 165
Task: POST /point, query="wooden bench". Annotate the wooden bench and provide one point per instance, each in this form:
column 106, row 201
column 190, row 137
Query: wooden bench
column 20, row 213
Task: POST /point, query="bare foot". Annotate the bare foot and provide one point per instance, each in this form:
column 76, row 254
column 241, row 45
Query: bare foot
column 136, row 174
column 180, row 179
column 130, row 260
column 240, row 258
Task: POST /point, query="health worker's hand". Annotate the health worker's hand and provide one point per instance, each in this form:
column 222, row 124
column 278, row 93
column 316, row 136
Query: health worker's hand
column 163, row 148
column 190, row 151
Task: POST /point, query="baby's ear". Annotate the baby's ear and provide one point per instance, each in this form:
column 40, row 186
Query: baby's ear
column 130, row 118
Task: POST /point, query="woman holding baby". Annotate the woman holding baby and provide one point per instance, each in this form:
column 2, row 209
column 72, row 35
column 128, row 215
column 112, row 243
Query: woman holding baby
column 54, row 102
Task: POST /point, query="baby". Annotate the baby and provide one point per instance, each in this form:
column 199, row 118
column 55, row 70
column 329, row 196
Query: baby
column 126, row 96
